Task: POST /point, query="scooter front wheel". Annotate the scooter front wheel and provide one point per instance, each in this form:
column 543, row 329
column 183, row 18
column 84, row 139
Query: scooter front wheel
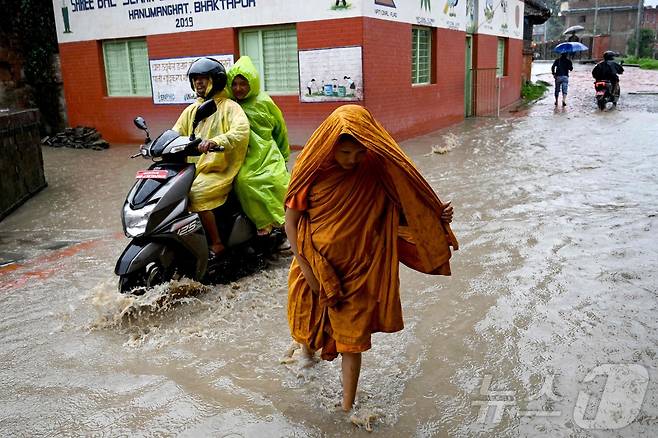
column 137, row 283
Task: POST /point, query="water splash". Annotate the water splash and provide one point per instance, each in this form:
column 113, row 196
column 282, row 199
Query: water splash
column 119, row 310
column 451, row 141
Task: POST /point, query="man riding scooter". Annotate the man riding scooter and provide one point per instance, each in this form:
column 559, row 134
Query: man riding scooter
column 227, row 128
column 608, row 70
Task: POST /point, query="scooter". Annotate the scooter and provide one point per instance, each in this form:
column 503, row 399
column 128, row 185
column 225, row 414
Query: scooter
column 168, row 242
column 604, row 94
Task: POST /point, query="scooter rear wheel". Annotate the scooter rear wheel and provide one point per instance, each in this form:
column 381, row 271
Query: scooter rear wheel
column 601, row 103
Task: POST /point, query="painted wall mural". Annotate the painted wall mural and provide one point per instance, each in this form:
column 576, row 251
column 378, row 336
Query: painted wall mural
column 500, row 17
column 450, row 14
column 492, row 17
column 327, row 75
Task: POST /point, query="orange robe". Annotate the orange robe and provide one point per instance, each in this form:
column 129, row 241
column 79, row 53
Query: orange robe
column 356, row 227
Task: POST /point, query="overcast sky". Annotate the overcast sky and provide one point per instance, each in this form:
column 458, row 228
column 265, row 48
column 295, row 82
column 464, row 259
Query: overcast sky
column 650, row 2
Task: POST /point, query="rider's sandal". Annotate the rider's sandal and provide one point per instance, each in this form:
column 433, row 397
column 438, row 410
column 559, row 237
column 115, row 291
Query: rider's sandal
column 283, row 246
column 265, row 231
column 212, row 255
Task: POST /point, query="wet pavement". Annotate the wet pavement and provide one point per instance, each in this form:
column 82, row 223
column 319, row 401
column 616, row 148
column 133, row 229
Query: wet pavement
column 547, row 327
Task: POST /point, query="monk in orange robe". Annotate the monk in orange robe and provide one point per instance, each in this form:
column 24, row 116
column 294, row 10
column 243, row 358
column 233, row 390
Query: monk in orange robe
column 356, row 206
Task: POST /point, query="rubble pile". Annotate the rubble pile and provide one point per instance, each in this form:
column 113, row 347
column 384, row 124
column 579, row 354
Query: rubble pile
column 80, row 137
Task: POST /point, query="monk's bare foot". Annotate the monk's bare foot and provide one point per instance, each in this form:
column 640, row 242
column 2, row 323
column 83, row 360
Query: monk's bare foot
column 365, row 419
column 287, row 356
column 308, row 358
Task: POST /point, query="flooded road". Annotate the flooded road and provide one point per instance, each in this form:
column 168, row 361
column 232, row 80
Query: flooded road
column 547, row 327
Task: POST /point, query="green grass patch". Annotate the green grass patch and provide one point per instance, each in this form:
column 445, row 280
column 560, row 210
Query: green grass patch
column 340, row 6
column 533, row 91
column 644, row 63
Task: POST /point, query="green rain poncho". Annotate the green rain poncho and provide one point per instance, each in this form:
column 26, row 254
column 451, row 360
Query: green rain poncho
column 262, row 182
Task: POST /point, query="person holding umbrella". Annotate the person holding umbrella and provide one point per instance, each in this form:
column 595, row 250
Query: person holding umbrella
column 572, row 32
column 560, row 69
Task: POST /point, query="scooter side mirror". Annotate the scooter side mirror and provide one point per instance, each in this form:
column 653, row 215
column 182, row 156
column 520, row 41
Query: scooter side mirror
column 140, row 123
column 205, row 110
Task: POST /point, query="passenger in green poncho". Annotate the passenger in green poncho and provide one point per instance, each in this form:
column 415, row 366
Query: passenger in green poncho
column 262, row 182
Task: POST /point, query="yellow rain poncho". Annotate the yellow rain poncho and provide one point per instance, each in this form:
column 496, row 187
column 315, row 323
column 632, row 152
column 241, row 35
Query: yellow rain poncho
column 262, row 182
column 215, row 171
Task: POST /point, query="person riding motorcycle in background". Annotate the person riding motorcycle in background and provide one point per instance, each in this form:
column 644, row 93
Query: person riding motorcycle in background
column 227, row 127
column 262, row 182
column 608, row 70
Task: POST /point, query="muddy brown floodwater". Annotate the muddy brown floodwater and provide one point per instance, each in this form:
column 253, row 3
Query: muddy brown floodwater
column 547, row 328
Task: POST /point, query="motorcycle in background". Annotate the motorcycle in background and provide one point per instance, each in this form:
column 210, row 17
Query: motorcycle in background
column 604, row 94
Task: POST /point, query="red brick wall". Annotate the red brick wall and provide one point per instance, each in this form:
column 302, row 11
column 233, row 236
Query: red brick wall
column 650, row 18
column 512, row 81
column 85, row 90
column 88, row 103
column 401, row 107
column 485, row 82
column 405, row 110
column 303, row 118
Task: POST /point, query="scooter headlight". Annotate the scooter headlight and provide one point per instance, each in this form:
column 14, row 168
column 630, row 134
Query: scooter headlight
column 136, row 220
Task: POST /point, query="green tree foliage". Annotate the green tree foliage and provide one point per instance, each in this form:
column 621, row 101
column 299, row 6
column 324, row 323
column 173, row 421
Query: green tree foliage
column 30, row 25
column 647, row 41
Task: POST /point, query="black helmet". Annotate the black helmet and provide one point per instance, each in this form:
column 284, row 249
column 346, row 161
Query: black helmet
column 609, row 55
column 212, row 68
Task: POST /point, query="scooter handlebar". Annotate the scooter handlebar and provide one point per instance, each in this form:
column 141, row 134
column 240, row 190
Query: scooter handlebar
column 193, row 147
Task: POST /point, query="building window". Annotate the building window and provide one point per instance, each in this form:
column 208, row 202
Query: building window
column 274, row 53
column 582, row 19
column 127, row 68
column 500, row 57
column 421, row 55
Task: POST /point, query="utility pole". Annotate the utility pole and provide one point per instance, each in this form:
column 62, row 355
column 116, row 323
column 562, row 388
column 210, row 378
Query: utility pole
column 596, row 15
column 640, row 7
column 545, row 42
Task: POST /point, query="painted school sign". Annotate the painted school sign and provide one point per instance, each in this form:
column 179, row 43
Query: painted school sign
column 85, row 20
column 82, row 20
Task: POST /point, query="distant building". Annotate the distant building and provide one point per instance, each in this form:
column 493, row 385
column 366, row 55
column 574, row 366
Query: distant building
column 650, row 18
column 539, row 33
column 616, row 19
column 650, row 21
